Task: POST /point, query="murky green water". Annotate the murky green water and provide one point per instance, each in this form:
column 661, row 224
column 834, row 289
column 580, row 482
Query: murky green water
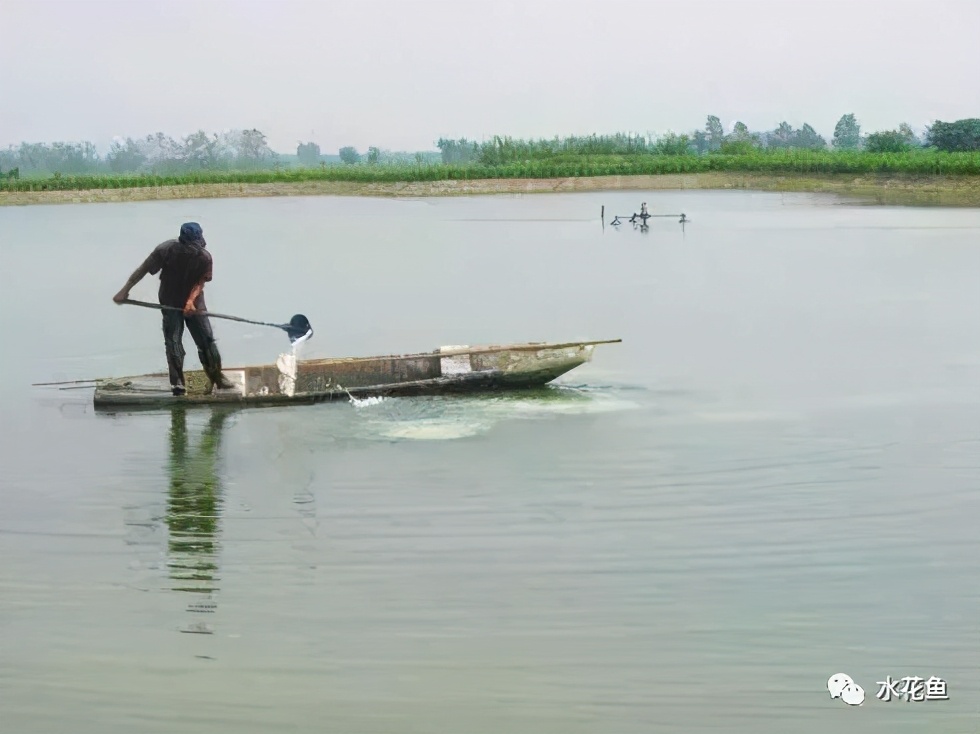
column 774, row 478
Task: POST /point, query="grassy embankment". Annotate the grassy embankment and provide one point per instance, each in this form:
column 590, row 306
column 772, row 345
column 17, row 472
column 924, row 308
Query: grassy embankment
column 919, row 177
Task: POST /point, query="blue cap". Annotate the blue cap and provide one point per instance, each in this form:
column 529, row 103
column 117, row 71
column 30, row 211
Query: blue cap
column 191, row 231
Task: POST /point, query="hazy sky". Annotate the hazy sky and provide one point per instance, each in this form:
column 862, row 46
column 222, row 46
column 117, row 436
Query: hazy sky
column 399, row 74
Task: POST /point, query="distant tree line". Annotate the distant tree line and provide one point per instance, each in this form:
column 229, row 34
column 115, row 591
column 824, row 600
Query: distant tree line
column 378, row 157
column 160, row 154
column 956, row 137
column 248, row 150
column 157, row 154
column 959, row 136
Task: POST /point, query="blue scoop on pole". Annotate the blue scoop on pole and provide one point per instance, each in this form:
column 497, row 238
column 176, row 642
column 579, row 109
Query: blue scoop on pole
column 298, row 328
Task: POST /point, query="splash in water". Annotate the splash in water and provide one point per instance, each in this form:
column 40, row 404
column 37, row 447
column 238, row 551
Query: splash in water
column 364, row 402
column 361, row 402
column 287, row 365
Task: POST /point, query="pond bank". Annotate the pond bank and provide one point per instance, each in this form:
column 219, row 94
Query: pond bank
column 960, row 191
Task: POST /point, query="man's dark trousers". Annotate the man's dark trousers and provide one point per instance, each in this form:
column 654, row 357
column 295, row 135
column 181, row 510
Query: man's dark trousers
column 207, row 349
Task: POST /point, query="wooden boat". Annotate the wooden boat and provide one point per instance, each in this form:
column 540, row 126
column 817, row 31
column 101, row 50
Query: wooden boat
column 289, row 381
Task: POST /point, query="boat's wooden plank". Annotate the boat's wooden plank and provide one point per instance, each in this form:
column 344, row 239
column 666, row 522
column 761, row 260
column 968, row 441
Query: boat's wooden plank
column 525, row 365
column 452, row 351
column 312, row 377
column 469, row 383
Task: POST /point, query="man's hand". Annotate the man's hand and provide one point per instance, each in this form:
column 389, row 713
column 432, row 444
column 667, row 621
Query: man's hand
column 121, row 296
column 191, row 297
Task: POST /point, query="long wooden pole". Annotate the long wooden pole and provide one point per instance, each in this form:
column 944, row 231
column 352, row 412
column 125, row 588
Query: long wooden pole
column 212, row 314
column 66, row 382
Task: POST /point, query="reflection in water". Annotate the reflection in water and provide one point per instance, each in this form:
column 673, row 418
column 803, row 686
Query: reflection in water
column 193, row 509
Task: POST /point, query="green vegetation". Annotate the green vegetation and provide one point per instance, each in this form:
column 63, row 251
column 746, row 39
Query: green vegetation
column 948, row 149
column 778, row 162
column 889, row 141
column 959, row 136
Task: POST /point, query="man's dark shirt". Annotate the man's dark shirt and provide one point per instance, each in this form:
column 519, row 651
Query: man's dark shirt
column 181, row 266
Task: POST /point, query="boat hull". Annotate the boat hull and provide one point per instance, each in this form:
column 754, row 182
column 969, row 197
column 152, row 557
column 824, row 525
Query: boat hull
column 289, row 382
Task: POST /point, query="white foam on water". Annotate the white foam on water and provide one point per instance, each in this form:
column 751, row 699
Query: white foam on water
column 434, row 430
column 530, row 409
column 361, row 402
column 365, row 402
column 443, row 420
column 432, row 419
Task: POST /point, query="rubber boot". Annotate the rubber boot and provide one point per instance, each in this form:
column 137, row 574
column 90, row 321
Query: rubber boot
column 211, row 362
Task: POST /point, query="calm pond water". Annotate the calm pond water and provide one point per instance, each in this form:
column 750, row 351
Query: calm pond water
column 773, row 479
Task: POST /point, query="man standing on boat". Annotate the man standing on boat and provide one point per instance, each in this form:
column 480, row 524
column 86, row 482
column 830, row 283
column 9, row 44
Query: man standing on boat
column 185, row 266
